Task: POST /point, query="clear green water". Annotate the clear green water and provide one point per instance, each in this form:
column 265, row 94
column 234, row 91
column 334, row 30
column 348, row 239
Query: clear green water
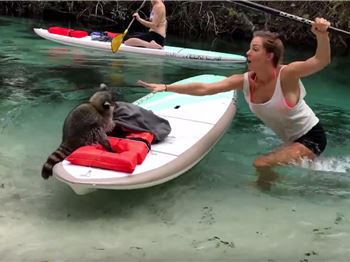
column 213, row 212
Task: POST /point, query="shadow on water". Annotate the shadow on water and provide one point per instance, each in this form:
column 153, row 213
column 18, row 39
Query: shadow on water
column 54, row 201
column 116, row 204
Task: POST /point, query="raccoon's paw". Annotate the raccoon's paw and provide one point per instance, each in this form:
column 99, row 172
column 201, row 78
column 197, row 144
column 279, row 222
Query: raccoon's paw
column 108, row 147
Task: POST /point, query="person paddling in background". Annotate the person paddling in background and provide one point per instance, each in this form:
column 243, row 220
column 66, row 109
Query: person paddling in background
column 275, row 94
column 157, row 25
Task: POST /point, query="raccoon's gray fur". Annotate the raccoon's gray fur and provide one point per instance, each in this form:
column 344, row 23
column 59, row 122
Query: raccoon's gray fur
column 86, row 124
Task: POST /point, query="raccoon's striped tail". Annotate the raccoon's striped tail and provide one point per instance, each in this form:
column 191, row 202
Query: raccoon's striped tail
column 57, row 156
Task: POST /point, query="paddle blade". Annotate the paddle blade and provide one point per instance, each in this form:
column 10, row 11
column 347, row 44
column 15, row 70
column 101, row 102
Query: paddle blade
column 116, row 42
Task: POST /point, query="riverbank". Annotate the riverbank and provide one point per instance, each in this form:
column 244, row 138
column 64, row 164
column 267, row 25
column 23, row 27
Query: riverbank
column 209, row 19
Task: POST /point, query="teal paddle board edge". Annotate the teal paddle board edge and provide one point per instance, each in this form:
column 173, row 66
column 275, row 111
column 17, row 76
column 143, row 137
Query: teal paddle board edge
column 149, row 101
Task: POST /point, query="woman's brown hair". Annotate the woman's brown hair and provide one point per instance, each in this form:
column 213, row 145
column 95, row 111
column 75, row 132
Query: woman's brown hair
column 272, row 44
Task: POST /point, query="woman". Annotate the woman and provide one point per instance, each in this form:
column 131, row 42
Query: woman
column 157, row 25
column 275, row 94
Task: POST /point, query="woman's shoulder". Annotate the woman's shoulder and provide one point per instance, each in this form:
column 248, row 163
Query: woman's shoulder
column 249, row 74
column 287, row 71
column 158, row 7
column 236, row 77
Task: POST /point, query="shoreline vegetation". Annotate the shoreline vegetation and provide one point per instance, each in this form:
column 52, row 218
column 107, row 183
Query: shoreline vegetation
column 209, row 19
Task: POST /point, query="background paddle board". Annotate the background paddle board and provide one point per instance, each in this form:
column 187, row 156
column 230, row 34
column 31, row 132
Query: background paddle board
column 171, row 52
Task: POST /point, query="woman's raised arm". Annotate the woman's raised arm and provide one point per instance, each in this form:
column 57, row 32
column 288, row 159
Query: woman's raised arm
column 322, row 55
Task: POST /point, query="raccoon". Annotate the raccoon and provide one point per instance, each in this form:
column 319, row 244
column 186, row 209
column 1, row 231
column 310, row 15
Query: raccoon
column 86, row 124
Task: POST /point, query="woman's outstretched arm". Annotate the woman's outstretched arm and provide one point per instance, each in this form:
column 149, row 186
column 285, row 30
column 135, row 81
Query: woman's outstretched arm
column 198, row 89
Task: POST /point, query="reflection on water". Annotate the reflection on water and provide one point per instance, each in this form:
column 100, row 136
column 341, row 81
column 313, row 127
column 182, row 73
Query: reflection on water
column 215, row 211
column 315, row 186
column 337, row 121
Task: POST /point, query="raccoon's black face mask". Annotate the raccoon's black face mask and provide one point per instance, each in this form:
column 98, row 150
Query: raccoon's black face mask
column 106, row 105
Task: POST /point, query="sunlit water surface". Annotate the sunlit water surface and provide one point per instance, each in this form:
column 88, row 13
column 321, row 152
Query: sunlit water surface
column 215, row 211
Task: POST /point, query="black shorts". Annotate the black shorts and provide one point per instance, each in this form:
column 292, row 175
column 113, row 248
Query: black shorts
column 315, row 139
column 148, row 37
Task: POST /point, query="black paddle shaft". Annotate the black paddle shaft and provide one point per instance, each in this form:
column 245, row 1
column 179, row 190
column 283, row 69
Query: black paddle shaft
column 273, row 11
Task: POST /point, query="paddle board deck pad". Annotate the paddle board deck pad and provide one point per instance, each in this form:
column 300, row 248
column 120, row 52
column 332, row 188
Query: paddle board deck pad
column 171, row 52
column 197, row 123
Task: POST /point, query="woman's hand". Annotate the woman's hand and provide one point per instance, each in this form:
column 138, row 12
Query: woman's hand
column 152, row 87
column 137, row 16
column 320, row 26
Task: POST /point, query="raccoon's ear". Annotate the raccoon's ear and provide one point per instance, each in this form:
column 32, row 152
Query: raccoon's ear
column 103, row 87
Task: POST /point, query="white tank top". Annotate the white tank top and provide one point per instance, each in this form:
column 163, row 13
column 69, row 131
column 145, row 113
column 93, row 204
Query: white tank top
column 288, row 123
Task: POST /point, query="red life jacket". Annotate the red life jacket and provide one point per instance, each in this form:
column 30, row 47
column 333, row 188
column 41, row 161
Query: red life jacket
column 67, row 32
column 128, row 152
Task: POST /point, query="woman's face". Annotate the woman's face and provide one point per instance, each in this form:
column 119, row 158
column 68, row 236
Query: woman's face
column 257, row 57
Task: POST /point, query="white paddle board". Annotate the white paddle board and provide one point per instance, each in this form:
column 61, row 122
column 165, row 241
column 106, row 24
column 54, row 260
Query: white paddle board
column 197, row 123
